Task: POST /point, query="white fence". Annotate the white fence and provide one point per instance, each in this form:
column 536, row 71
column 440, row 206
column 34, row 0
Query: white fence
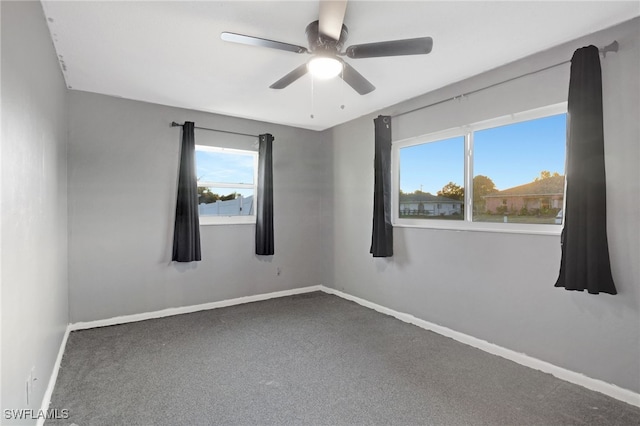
column 241, row 206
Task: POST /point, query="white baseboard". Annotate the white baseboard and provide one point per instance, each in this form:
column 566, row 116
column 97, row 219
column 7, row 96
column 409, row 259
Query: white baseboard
column 189, row 309
column 46, row 399
column 609, row 389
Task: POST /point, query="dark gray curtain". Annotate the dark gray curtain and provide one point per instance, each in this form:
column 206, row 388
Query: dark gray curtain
column 382, row 237
column 186, row 233
column 264, row 211
column 585, row 251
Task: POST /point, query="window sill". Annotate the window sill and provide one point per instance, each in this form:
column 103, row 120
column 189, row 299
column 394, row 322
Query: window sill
column 228, row 220
column 553, row 230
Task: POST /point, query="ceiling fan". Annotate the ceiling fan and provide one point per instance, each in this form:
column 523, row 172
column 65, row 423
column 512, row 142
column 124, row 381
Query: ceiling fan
column 326, row 37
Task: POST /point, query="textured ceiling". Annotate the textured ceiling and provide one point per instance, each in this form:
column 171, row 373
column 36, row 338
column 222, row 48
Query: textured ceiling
column 170, row 53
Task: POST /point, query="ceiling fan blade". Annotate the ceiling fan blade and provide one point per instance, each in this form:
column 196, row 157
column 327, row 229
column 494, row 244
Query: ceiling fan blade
column 261, row 42
column 411, row 46
column 290, row 78
column 331, row 17
column 354, row 79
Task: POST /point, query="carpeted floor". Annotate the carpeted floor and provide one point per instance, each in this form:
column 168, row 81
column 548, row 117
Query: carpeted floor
column 311, row 359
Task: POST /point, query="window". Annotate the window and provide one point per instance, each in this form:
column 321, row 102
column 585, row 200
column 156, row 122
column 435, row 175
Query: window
column 227, row 180
column 426, row 167
column 505, row 174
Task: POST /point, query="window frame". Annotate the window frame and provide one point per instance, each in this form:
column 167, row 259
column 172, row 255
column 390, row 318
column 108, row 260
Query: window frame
column 238, row 219
column 467, row 131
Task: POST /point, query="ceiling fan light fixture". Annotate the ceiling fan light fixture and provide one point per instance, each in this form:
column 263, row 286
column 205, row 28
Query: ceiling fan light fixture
column 324, row 67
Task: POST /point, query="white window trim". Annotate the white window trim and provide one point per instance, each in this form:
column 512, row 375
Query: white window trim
column 467, row 223
column 232, row 220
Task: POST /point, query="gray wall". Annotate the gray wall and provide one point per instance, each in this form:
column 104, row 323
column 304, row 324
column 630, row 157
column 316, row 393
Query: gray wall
column 498, row 286
column 123, row 163
column 34, row 203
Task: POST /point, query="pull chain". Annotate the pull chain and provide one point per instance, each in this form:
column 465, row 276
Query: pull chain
column 342, row 87
column 312, row 97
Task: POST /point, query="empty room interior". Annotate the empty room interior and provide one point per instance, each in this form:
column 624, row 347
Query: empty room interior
column 314, row 212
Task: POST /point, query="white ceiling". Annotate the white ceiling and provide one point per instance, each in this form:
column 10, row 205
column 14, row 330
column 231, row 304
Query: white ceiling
column 170, row 53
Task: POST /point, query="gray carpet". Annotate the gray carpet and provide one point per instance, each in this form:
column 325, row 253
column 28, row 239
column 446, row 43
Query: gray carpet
column 311, row 359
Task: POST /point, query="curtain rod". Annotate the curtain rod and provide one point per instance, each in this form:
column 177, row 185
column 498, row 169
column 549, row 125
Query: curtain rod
column 174, row 124
column 613, row 47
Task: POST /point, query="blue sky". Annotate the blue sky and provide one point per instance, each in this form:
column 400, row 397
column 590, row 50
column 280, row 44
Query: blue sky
column 225, row 167
column 510, row 155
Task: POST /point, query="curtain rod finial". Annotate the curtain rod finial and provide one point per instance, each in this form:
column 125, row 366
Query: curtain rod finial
column 174, row 124
column 613, row 47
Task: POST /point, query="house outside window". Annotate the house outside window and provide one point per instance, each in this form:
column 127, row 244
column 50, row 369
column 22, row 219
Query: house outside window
column 425, row 205
column 542, row 197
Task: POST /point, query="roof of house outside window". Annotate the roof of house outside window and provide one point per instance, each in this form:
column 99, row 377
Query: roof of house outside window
column 553, row 185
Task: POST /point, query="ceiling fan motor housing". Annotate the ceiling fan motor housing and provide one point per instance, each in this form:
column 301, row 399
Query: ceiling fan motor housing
column 327, row 51
column 321, row 44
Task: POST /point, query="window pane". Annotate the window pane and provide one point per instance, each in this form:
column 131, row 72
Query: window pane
column 519, row 172
column 225, row 201
column 432, row 180
column 224, row 167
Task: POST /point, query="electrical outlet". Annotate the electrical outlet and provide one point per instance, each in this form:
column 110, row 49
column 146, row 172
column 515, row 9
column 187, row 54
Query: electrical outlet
column 278, row 271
